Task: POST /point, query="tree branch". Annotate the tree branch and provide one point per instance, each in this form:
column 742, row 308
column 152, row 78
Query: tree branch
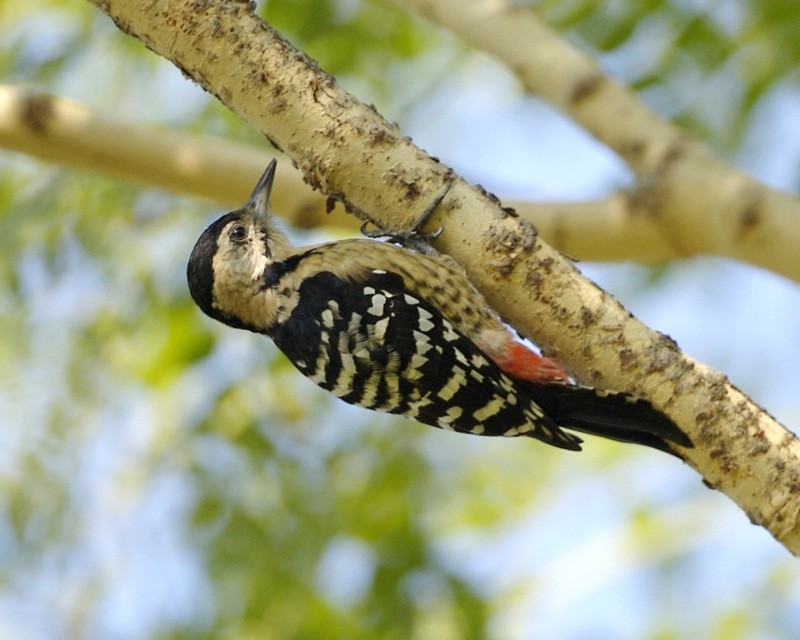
column 620, row 227
column 609, row 229
column 73, row 134
column 70, row 133
column 702, row 205
column 347, row 150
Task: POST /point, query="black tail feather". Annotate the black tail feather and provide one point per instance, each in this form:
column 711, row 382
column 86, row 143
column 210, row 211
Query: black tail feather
column 609, row 414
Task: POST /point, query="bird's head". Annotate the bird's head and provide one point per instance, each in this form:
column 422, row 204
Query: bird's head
column 227, row 266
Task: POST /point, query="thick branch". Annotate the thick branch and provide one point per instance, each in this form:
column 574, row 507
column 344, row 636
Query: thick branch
column 703, row 206
column 625, row 226
column 72, row 134
column 348, row 150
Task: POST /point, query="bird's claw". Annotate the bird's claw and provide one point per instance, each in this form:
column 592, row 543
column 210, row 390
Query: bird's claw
column 412, row 238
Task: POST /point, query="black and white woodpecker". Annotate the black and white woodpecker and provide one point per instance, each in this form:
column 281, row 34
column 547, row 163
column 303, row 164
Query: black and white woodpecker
column 400, row 331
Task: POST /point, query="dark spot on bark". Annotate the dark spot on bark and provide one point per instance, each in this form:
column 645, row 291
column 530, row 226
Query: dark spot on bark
column 330, row 203
column 273, row 143
column 674, row 154
column 412, row 190
column 547, row 263
column 511, row 212
column 633, row 149
column 491, row 197
column 585, row 87
column 700, row 418
column 759, row 448
column 37, row 111
column 750, row 216
column 588, row 316
column 279, row 104
column 667, row 341
column 382, row 138
column 627, row 358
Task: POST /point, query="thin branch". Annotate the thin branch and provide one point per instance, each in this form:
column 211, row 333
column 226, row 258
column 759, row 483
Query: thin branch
column 621, row 227
column 550, row 67
column 72, row 134
column 611, row 229
column 349, row 151
column 702, row 205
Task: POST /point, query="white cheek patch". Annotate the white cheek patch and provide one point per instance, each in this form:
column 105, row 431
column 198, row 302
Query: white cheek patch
column 238, row 265
column 238, row 270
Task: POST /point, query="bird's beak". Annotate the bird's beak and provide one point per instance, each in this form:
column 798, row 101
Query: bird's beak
column 259, row 199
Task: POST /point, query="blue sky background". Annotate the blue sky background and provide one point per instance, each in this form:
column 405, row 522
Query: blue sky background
column 618, row 543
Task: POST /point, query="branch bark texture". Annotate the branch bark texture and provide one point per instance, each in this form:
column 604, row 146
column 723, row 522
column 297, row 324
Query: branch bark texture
column 700, row 204
column 625, row 226
column 347, row 150
column 70, row 133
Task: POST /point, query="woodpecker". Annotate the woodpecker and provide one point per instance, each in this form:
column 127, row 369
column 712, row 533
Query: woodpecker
column 401, row 331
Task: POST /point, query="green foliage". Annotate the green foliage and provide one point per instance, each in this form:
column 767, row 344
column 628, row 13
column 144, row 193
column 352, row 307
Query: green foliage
column 347, row 37
column 742, row 49
column 163, row 476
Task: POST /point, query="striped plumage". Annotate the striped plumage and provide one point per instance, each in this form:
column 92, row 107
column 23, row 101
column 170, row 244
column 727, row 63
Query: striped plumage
column 399, row 331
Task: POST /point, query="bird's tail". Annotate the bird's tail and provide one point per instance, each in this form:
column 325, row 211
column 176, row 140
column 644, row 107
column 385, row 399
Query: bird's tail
column 610, row 414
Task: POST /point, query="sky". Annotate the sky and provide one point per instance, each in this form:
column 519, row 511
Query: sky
column 570, row 566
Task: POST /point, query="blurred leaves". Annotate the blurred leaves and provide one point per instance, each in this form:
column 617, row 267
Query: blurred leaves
column 740, row 50
column 351, row 37
column 163, row 476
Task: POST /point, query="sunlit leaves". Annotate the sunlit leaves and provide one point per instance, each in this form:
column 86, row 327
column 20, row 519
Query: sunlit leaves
column 135, row 428
column 342, row 36
column 738, row 50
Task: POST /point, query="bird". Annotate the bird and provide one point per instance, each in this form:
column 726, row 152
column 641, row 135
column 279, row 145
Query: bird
column 392, row 328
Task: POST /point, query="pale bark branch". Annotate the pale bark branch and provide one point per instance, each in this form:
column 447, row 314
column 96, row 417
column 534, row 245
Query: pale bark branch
column 702, row 205
column 349, row 151
column 616, row 228
column 72, row 134
column 610, row 229
column 624, row 226
column 550, row 67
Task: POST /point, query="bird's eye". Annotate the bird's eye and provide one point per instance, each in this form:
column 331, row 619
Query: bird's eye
column 238, row 233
